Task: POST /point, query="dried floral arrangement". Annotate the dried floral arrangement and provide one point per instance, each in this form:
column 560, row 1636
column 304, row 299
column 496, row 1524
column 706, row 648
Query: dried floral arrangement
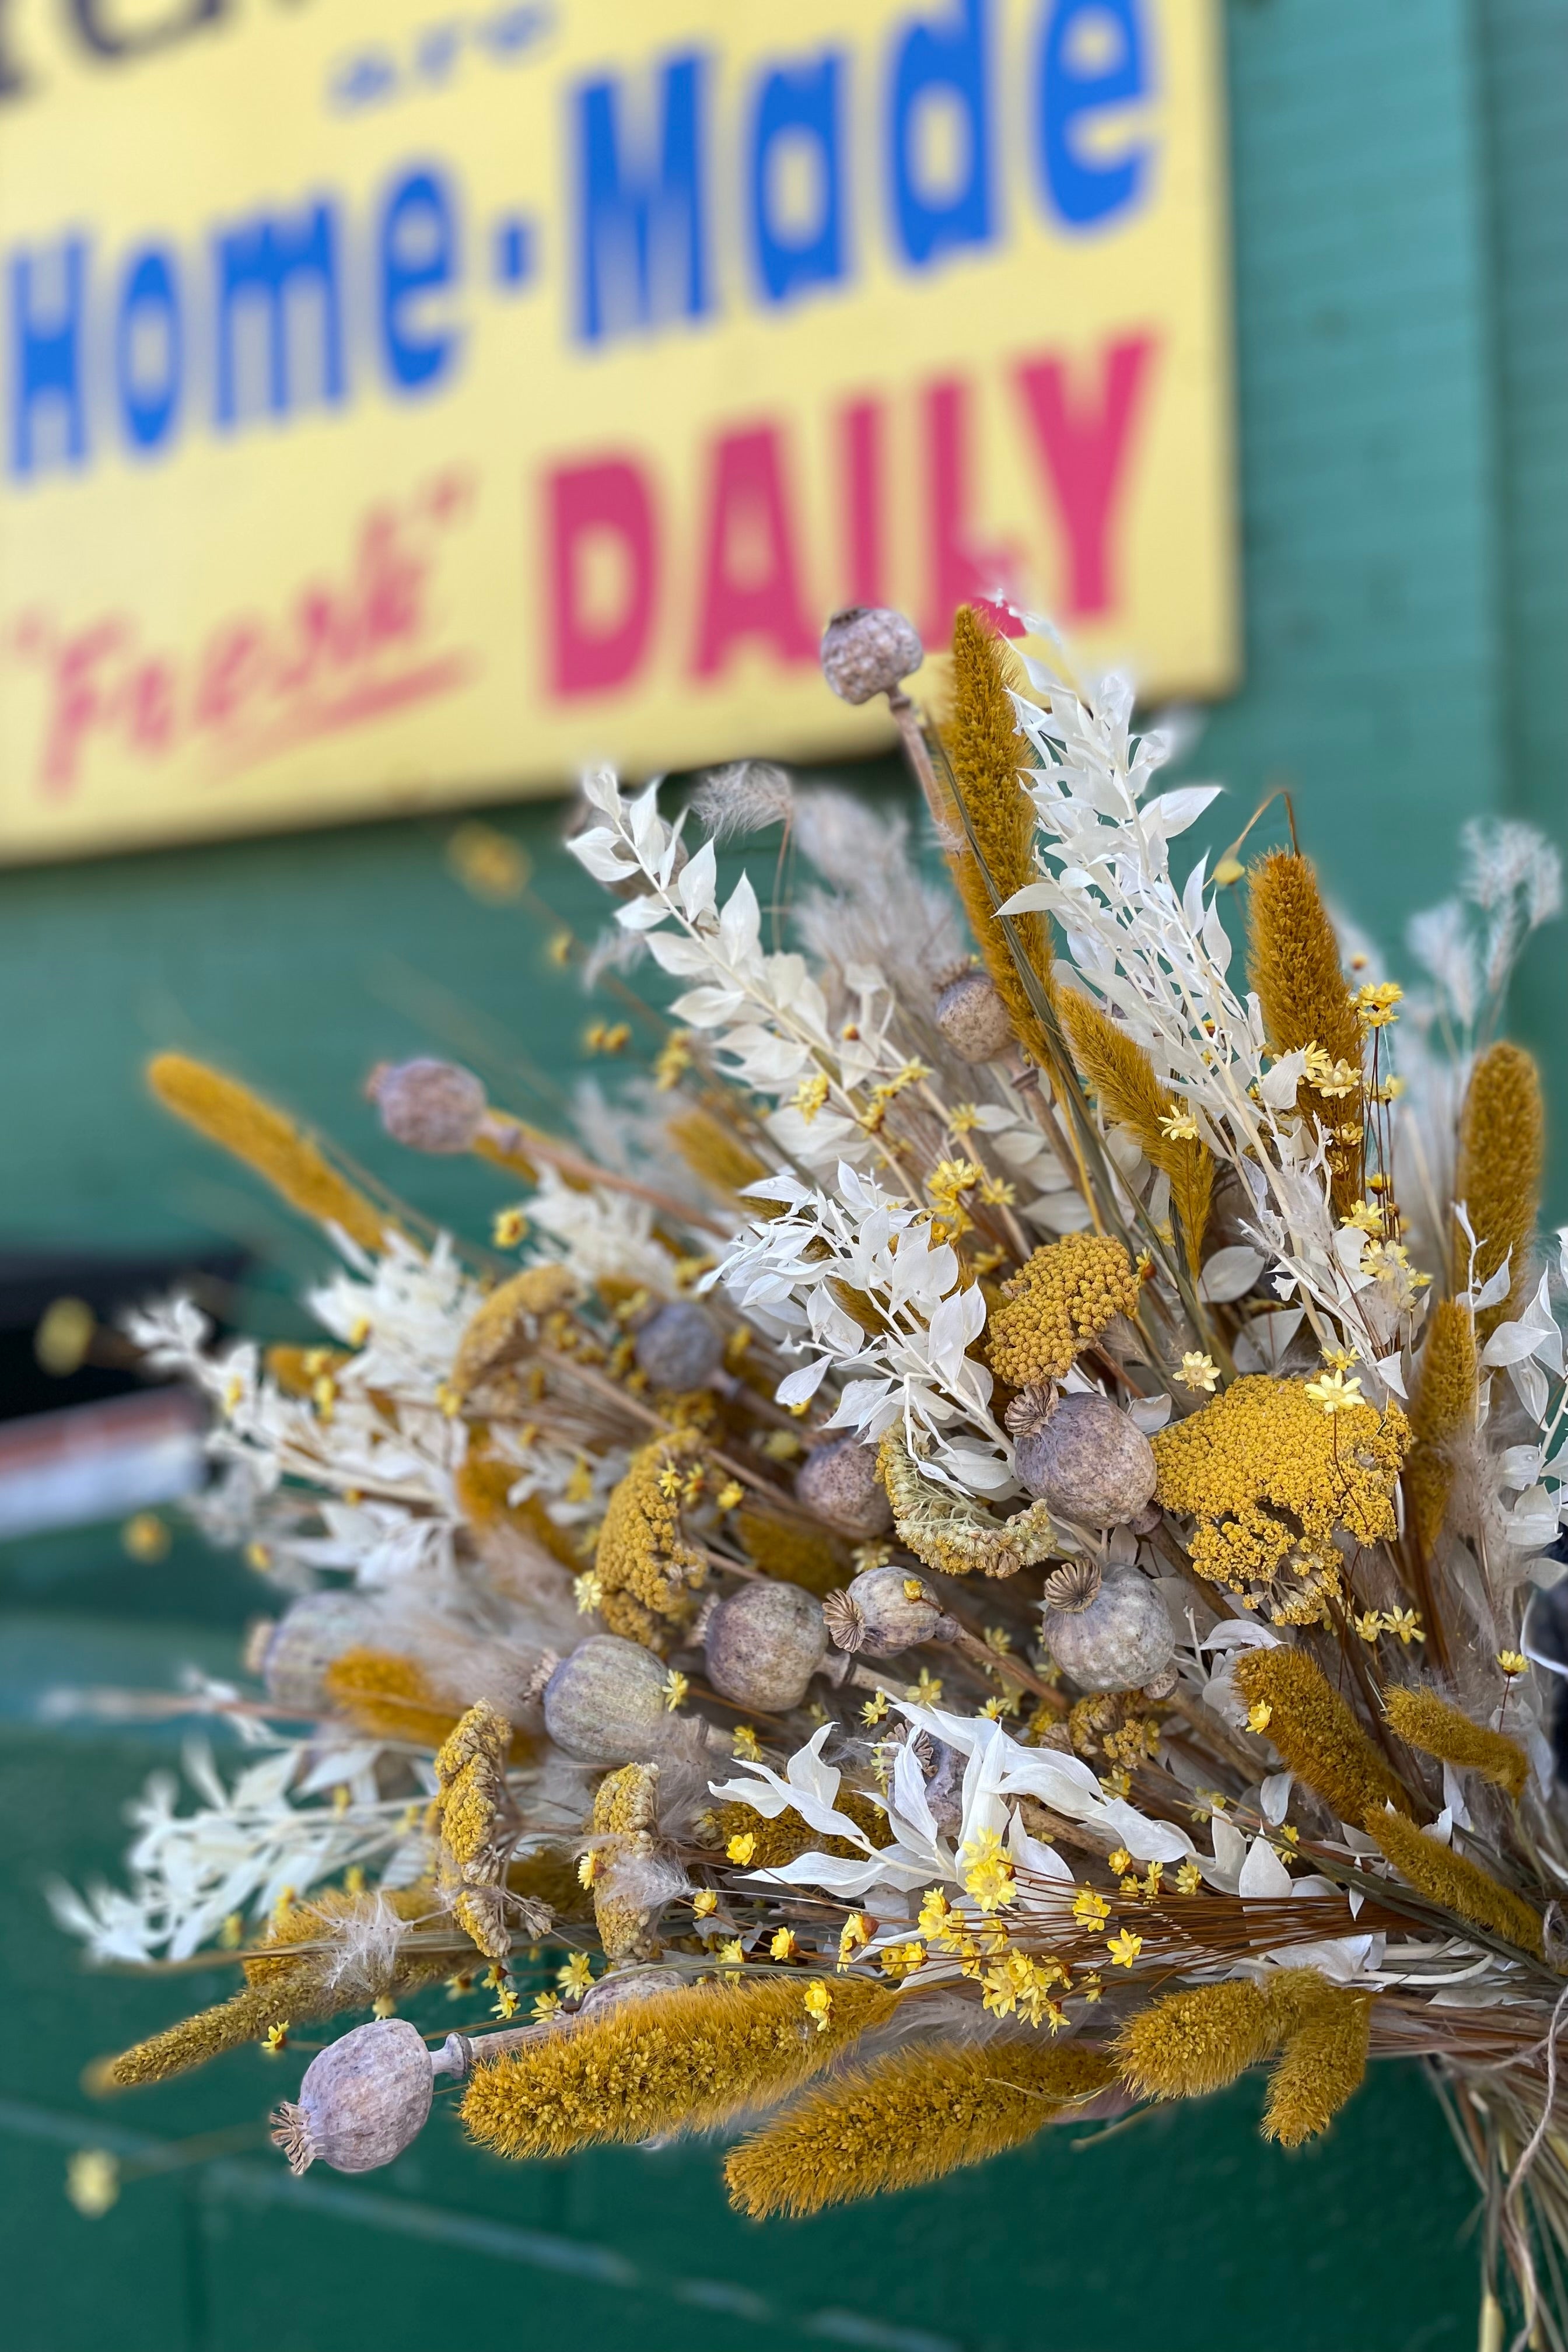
column 976, row 1574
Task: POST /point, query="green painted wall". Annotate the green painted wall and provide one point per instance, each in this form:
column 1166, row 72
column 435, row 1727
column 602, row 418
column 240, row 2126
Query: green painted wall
column 1400, row 170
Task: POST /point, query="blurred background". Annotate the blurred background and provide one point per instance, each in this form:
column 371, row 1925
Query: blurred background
column 401, row 406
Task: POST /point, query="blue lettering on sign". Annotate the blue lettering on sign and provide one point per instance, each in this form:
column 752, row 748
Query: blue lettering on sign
column 258, row 262
column 419, row 253
column 797, row 116
column 1091, row 57
column 942, row 80
column 106, row 353
column 641, row 233
column 149, row 349
column 47, row 354
column 513, row 252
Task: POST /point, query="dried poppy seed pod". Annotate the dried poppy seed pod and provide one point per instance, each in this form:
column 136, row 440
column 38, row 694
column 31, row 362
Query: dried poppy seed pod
column 885, row 1609
column 364, row 2098
column 605, row 1704
column 840, row 1484
column 1118, row 1637
column 869, row 649
column 764, row 1644
column 973, row 1019
column 1084, row 1458
column 427, row 1105
column 680, row 1347
column 312, row 1635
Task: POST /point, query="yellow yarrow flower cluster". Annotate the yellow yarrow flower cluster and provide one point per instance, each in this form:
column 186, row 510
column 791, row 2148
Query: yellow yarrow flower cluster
column 1269, row 1475
column 1057, row 1302
column 644, row 1565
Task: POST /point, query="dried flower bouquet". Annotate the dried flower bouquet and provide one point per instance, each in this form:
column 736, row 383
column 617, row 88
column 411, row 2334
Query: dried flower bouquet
column 978, row 1572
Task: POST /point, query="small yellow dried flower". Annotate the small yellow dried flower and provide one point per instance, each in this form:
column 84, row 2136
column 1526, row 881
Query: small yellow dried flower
column 1198, row 1372
column 1124, row 1947
column 987, row 1871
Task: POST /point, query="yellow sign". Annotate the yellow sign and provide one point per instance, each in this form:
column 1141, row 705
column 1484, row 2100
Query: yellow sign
column 403, row 403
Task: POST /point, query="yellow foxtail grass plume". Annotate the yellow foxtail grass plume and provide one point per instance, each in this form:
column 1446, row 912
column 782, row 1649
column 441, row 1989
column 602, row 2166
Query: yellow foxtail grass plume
column 908, row 2118
column 986, row 752
column 1317, row 1734
column 246, row 2016
column 295, row 1987
column 1454, row 1881
column 1444, row 1406
column 679, row 2060
column 1502, row 1150
column 791, row 1552
column 1326, row 2030
column 388, row 1696
column 1190, row 2043
column 1424, row 1720
column 1293, row 962
column 789, row 1834
column 484, row 1482
column 1121, row 1075
column 240, row 1122
column 715, row 1153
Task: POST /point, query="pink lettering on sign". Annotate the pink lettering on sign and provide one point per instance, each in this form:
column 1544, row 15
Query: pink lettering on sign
column 962, row 569
column 341, row 652
column 1083, row 445
column 599, row 514
column 750, row 583
column 907, row 478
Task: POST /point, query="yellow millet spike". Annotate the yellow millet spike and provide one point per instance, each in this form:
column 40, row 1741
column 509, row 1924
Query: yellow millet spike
column 679, row 2060
column 792, row 1553
column 715, row 1153
column 1193, row 2043
column 1454, row 1881
column 987, row 754
column 1059, row 1300
column 292, row 1989
column 1424, row 1720
column 290, row 1998
column 387, row 1697
column 1122, row 1075
column 1326, row 2030
column 908, row 2118
column 240, row 1122
column 1317, row 1734
column 1502, row 1152
column 1293, row 962
column 1443, row 1407
column 788, row 1835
